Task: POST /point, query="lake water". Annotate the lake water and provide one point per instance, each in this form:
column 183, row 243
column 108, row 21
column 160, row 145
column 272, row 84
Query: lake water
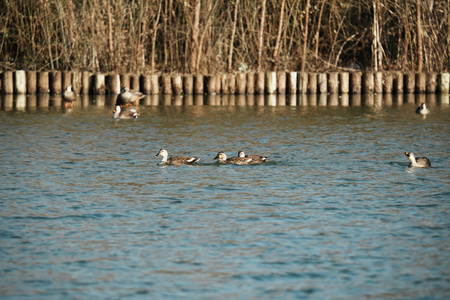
column 87, row 212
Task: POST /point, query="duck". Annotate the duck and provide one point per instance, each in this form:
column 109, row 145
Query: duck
column 128, row 96
column 257, row 159
column 419, row 162
column 118, row 113
column 69, row 96
column 222, row 157
column 176, row 160
column 422, row 109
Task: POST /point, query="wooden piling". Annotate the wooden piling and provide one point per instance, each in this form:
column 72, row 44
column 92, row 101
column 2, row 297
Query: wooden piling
column 291, row 83
column 431, row 83
column 421, row 83
column 398, row 83
column 271, row 82
column 223, row 84
column 281, row 82
column 409, row 81
column 355, row 82
column 241, row 83
column 20, row 82
column 188, row 84
column 7, row 82
column 98, row 87
column 177, row 84
column 322, row 83
column 368, row 83
column 312, row 83
column 302, row 83
column 76, row 82
column 250, row 83
column 31, row 82
column 154, row 84
column 344, row 83
column 125, row 81
column 167, row 84
column 66, row 79
column 333, row 83
column 135, row 82
column 388, row 83
column 43, row 84
column 231, row 83
column 145, row 84
column 444, row 83
column 378, row 83
column 210, row 83
column 199, row 84
column 55, row 78
column 85, row 82
column 113, row 84
column 259, row 83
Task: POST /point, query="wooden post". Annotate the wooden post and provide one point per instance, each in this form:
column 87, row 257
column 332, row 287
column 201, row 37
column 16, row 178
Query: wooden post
column 241, row 83
column 409, row 80
column 8, row 82
column 421, row 83
column 355, row 82
column 260, row 83
column 210, row 83
column 113, row 84
column 154, row 84
column 166, row 84
column 76, row 82
column 66, row 79
column 20, row 82
column 55, row 82
column 125, row 81
column 431, row 83
column 398, row 83
column 98, row 87
column 199, row 84
column 368, row 83
column 312, row 83
column 291, row 82
column 250, row 83
column 281, row 82
column 231, row 83
column 271, row 82
column 145, row 84
column 85, row 82
column 302, row 82
column 177, row 84
column 188, row 84
column 31, row 82
column 135, row 82
column 43, row 85
column 444, row 83
column 333, row 83
column 378, row 83
column 388, row 82
column 322, row 83
column 344, row 83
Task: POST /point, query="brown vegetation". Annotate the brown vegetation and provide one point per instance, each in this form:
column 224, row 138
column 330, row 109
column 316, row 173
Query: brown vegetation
column 209, row 36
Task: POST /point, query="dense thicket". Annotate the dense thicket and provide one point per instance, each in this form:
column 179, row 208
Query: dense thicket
column 208, row 36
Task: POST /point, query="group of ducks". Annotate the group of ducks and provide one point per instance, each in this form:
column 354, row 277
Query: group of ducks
column 241, row 159
column 128, row 96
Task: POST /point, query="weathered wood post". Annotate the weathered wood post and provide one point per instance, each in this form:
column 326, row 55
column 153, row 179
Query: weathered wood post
column 421, row 83
column 398, row 83
column 241, row 83
column 20, row 83
column 302, row 82
column 333, row 83
column 344, row 83
column 188, row 84
column 409, row 80
column 355, row 83
column 199, row 84
column 444, row 83
column 250, row 83
column 177, row 84
column 76, row 82
column 271, row 82
column 312, row 83
column 292, row 83
column 224, row 84
column 113, row 84
column 431, row 83
column 85, row 82
column 135, row 82
column 322, row 83
column 154, row 84
column 43, row 85
column 98, row 87
column 231, row 83
column 281, row 82
column 145, row 84
column 368, row 83
column 166, row 84
column 8, row 82
column 378, row 83
column 55, row 82
column 388, row 82
column 259, row 83
column 210, row 83
column 31, row 82
column 125, row 80
column 66, row 79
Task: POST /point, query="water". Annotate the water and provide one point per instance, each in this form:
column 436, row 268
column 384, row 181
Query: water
column 87, row 212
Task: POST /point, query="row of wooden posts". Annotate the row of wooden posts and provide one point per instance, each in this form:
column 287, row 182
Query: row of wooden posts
column 32, row 82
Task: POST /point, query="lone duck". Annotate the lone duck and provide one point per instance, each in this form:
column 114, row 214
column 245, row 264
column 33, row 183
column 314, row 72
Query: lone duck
column 118, row 113
column 128, row 96
column 176, row 160
column 69, row 96
column 419, row 162
column 422, row 109
column 222, row 157
column 256, row 159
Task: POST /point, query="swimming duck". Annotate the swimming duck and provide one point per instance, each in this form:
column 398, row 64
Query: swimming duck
column 420, row 162
column 256, row 159
column 118, row 113
column 176, row 160
column 422, row 109
column 128, row 96
column 233, row 160
column 69, row 96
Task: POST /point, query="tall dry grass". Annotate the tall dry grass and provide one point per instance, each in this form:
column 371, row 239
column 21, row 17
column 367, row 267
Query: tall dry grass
column 191, row 36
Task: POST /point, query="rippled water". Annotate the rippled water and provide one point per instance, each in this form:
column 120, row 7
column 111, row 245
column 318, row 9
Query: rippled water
column 87, row 211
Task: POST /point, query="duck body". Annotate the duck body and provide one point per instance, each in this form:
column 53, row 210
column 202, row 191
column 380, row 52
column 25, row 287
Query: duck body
column 176, row 160
column 131, row 113
column 256, row 159
column 69, row 96
column 222, row 157
column 418, row 162
column 128, row 96
column 422, row 109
